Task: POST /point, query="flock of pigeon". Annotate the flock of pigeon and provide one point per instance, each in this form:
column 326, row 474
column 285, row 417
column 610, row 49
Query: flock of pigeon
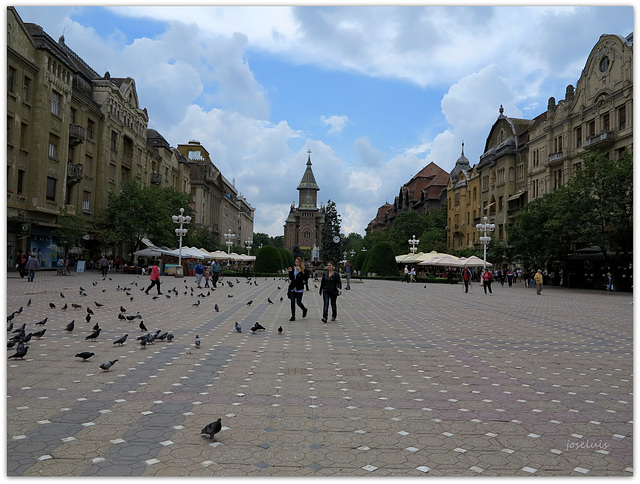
column 19, row 336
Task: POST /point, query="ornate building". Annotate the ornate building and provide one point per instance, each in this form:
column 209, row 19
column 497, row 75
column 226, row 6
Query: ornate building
column 422, row 194
column 462, row 200
column 303, row 226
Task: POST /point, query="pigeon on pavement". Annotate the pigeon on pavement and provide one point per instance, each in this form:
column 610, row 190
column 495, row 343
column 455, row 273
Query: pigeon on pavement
column 197, row 341
column 121, row 341
column 280, row 330
column 269, row 300
column 43, row 322
column 52, row 306
column 216, row 308
column 39, row 334
column 142, row 326
column 85, row 355
column 98, row 305
column 238, row 328
column 71, row 325
column 212, row 429
column 108, row 364
column 64, row 308
column 94, row 335
column 20, row 353
column 197, row 303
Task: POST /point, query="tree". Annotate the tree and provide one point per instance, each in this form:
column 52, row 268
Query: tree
column 358, row 260
column 381, row 260
column 70, row 229
column 287, row 257
column 354, row 242
column 372, row 238
column 135, row 213
column 261, row 239
column 405, row 226
column 200, row 238
column 268, row 260
column 329, row 250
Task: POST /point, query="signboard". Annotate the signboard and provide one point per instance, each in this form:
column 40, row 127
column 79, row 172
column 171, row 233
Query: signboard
column 80, row 266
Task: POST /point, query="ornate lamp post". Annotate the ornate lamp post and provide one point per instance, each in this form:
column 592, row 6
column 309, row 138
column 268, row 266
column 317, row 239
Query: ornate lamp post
column 484, row 239
column 353, row 252
column 248, row 244
column 229, row 242
column 413, row 242
column 180, row 232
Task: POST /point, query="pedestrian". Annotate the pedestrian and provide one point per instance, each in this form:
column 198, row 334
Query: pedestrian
column 466, row 277
column 608, row 280
column 104, row 265
column 330, row 289
column 21, row 262
column 215, row 272
column 348, row 270
column 487, row 278
column 199, row 272
column 32, row 265
column 406, row 274
column 307, row 270
column 538, row 280
column 207, row 275
column 298, row 277
column 510, row 277
column 155, row 278
column 412, row 275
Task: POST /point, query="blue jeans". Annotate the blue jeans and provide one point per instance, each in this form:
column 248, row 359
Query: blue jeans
column 326, row 298
column 31, row 275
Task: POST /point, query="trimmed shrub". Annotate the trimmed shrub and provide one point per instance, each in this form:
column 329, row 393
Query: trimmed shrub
column 380, row 260
column 268, row 260
column 358, row 260
column 287, row 258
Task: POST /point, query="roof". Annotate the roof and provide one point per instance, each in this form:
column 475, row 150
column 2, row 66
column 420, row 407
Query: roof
column 308, row 180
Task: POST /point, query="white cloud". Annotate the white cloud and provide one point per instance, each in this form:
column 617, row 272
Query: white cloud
column 336, row 123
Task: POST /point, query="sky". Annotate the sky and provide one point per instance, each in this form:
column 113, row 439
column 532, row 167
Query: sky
column 375, row 92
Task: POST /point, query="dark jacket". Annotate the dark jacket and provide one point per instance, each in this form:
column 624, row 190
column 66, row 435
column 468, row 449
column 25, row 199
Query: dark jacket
column 297, row 281
column 331, row 284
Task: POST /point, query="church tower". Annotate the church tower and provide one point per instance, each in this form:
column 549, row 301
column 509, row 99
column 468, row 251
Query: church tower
column 303, row 226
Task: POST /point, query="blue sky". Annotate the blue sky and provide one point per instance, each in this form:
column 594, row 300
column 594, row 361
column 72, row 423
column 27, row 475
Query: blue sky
column 375, row 92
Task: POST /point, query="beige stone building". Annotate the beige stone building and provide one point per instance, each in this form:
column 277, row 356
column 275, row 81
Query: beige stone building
column 463, row 192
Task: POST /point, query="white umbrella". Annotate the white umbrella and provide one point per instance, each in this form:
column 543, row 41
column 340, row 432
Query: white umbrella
column 444, row 261
column 474, row 261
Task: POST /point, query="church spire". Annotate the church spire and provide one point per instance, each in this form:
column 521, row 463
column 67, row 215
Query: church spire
column 308, row 188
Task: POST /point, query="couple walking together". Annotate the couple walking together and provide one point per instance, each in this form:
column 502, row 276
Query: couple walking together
column 330, row 288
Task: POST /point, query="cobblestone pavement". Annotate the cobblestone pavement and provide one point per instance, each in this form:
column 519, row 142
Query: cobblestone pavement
column 410, row 380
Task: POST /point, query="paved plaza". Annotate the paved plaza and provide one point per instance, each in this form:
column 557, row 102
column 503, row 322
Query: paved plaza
column 411, row 380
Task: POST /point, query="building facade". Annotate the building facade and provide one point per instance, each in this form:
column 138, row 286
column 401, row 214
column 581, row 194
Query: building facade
column 463, row 191
column 525, row 159
column 303, row 226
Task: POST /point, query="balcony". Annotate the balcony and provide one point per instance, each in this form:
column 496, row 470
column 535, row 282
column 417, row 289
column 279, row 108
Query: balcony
column 76, row 135
column 74, row 173
column 156, row 178
column 556, row 156
column 600, row 141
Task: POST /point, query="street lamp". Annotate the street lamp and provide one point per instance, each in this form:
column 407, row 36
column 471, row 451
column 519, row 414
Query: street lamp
column 229, row 242
column 413, row 242
column 180, row 232
column 484, row 240
column 248, row 244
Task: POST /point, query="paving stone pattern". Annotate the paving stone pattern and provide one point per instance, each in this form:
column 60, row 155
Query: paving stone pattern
column 410, row 380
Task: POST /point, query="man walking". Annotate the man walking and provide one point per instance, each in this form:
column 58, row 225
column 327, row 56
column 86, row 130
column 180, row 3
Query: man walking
column 466, row 277
column 33, row 264
column 538, row 279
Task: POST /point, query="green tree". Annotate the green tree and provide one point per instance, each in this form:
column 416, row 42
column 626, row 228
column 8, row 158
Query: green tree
column 358, row 260
column 261, row 239
column 134, row 213
column 268, row 260
column 287, row 257
column 372, row 238
column 381, row 260
column 329, row 250
column 405, row 227
column 70, row 229
column 354, row 242
column 200, row 237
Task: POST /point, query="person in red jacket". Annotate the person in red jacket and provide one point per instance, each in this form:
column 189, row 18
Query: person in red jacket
column 487, row 278
column 155, row 278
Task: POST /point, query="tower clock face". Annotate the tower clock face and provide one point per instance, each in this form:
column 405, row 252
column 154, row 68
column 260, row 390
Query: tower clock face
column 336, row 239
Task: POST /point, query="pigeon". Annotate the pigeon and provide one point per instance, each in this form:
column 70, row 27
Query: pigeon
column 108, row 364
column 29, row 303
column 94, row 335
column 85, row 355
column 121, row 316
column 249, row 303
column 212, row 429
column 142, row 326
column 11, row 316
column 281, row 299
column 43, row 322
column 20, row 353
column 90, row 311
column 229, row 295
column 64, row 308
column 83, row 289
column 11, row 343
column 269, row 300
column 197, row 303
column 170, row 337
column 258, row 326
column 238, row 328
column 27, row 338
column 75, row 306
column 39, row 334
column 121, row 341
column 197, row 341
column 20, row 329
column 52, row 306
column 70, row 326
column 216, row 308
column 280, row 330
column 62, row 295
column 88, row 318
column 98, row 305
column 96, row 327
column 10, row 328
column 19, row 310
column 143, row 343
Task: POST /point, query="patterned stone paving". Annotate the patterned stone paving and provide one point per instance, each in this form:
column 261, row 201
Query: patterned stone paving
column 410, row 380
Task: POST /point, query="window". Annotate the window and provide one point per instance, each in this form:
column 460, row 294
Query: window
column 55, row 103
column 88, row 165
column 592, row 128
column 605, row 122
column 10, row 129
column 622, row 117
column 72, row 116
column 112, row 171
column 114, row 141
column 557, row 144
column 90, row 128
column 11, row 79
column 535, row 158
column 24, row 131
column 86, row 201
column 27, row 89
column 21, row 174
column 578, row 132
column 51, row 188
column 68, row 195
column 54, row 141
column 520, row 171
column 512, row 176
column 500, row 204
column 457, row 199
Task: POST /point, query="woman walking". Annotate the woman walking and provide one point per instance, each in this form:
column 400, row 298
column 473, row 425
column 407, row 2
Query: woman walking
column 487, row 278
column 199, row 272
column 330, row 288
column 155, row 278
column 297, row 277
